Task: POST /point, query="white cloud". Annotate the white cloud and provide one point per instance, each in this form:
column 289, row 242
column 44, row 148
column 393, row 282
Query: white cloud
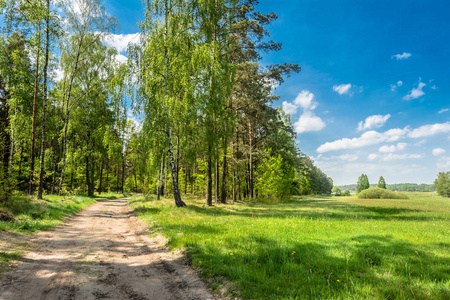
column 348, row 157
column 429, row 130
column 308, row 122
column 367, row 138
column 394, row 86
column 342, row 88
column 416, row 92
column 391, row 156
column 392, row 148
column 121, row 41
column 372, row 156
column 289, row 108
column 121, row 59
column 438, row 151
column 57, row 74
column 305, row 100
column 375, row 121
column 404, row 55
column 443, row 110
column 444, row 163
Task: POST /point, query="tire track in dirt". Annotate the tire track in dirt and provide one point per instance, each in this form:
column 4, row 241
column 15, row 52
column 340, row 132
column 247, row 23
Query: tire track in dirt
column 103, row 252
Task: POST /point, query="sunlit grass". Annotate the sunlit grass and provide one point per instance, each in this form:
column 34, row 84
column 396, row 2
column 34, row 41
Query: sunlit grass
column 315, row 247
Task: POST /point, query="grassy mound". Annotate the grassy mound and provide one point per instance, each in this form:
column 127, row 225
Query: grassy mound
column 377, row 193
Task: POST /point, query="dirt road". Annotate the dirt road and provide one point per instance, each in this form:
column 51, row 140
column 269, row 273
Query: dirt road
column 101, row 253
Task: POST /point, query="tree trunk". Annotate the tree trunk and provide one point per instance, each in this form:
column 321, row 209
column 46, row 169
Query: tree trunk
column 186, row 180
column 71, row 174
column 55, row 143
column 176, row 192
column 216, row 180
column 101, row 177
column 107, row 175
column 33, row 126
column 66, row 119
column 135, row 179
column 209, row 177
column 178, row 156
column 250, row 162
column 44, row 110
column 237, row 166
column 123, row 168
column 11, row 150
column 159, row 186
column 223, row 198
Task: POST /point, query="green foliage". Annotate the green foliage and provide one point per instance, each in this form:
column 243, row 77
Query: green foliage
column 442, row 183
column 363, row 183
column 379, row 193
column 274, row 178
column 381, row 183
column 336, row 190
column 314, row 248
column 346, row 193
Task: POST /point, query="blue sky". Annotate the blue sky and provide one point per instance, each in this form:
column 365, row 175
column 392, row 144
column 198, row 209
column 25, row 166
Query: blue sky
column 373, row 95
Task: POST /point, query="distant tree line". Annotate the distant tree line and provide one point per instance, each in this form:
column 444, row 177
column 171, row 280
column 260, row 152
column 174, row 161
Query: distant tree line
column 399, row 187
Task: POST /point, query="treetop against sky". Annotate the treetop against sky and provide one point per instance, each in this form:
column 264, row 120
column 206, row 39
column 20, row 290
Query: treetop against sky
column 373, row 94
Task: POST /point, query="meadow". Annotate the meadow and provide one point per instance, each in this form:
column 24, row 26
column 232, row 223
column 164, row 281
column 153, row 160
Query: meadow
column 313, row 247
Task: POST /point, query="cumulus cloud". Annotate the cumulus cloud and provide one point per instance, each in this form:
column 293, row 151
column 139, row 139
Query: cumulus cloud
column 392, row 148
column 289, row 108
column 394, row 86
column 430, row 130
column 372, row 156
column 367, row 138
column 404, row 55
column 443, row 110
column 308, row 122
column 305, row 100
column 416, row 92
column 348, row 157
column 342, row 88
column 375, row 121
column 121, row 41
column 438, row 151
column 391, row 156
column 444, row 163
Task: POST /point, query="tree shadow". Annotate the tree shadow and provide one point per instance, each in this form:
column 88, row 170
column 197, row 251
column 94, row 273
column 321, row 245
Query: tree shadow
column 316, row 209
column 378, row 267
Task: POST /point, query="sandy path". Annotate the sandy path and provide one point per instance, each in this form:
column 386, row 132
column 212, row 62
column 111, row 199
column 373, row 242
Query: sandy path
column 101, row 253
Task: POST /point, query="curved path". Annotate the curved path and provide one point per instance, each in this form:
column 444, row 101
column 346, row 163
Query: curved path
column 103, row 252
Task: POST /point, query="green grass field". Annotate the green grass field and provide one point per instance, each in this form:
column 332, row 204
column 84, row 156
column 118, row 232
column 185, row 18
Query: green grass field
column 314, row 247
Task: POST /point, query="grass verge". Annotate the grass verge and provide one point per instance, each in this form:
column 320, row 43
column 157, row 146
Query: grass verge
column 33, row 215
column 313, row 247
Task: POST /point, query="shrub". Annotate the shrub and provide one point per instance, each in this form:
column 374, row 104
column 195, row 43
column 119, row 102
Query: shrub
column 443, row 184
column 336, row 190
column 345, row 193
column 378, row 193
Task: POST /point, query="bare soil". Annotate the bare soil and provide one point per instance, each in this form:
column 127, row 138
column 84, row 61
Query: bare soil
column 103, row 252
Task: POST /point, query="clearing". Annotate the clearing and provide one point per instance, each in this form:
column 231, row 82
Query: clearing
column 103, row 252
